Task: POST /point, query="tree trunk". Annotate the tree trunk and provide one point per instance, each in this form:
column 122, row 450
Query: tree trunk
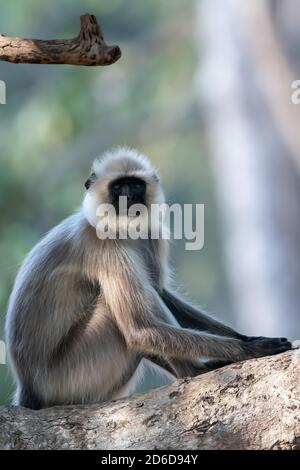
column 248, row 405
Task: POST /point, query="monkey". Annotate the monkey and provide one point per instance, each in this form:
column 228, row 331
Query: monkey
column 86, row 310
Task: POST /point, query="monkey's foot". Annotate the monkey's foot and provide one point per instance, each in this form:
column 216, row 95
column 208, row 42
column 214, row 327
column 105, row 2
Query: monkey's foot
column 261, row 346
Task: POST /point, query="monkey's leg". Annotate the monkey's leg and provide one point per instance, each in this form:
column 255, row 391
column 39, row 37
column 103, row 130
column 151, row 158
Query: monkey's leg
column 189, row 316
column 28, row 398
column 92, row 364
column 181, row 368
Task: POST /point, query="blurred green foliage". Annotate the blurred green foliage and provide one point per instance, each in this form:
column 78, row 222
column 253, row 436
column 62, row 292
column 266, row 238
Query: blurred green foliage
column 58, row 118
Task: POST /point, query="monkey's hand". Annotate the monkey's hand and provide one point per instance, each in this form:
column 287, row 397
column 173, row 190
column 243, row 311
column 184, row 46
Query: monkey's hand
column 261, row 346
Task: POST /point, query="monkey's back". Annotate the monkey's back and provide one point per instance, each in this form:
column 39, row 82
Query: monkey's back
column 51, row 294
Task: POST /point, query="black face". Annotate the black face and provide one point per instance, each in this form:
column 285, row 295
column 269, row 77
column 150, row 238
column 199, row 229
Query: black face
column 129, row 186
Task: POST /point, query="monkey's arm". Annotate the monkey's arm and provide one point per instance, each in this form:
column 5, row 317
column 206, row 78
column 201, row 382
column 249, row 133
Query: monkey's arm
column 143, row 320
column 169, row 341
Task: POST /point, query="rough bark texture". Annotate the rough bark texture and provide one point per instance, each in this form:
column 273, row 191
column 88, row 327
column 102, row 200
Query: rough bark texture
column 249, row 405
column 88, row 48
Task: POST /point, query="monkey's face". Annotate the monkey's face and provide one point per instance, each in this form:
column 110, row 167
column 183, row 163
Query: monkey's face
column 130, row 188
column 125, row 181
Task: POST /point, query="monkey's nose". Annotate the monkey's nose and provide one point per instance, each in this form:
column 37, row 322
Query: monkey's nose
column 126, row 192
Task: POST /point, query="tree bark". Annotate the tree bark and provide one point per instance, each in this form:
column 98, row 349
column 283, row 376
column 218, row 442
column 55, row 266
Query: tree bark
column 248, row 405
column 88, row 48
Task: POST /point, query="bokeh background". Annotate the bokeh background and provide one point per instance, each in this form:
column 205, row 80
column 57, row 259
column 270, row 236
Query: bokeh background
column 204, row 89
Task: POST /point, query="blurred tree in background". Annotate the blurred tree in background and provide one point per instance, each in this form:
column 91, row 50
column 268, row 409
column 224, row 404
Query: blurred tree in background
column 254, row 135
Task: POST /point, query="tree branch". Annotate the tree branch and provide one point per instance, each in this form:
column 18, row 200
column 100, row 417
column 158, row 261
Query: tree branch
column 88, row 48
column 249, row 405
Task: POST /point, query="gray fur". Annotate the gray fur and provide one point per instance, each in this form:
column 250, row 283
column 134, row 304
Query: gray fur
column 84, row 312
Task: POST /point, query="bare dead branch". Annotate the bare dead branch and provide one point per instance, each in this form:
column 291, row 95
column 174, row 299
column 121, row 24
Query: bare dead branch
column 88, row 48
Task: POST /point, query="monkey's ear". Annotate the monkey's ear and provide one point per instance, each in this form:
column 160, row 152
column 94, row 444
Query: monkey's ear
column 156, row 177
column 91, row 179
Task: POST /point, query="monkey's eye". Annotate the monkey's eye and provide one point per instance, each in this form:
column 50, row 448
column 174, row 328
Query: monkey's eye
column 116, row 186
column 137, row 185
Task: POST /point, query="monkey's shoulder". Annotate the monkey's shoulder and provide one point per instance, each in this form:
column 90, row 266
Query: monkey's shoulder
column 61, row 251
column 54, row 270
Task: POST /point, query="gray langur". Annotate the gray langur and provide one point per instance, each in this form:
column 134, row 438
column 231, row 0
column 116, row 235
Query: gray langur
column 84, row 311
